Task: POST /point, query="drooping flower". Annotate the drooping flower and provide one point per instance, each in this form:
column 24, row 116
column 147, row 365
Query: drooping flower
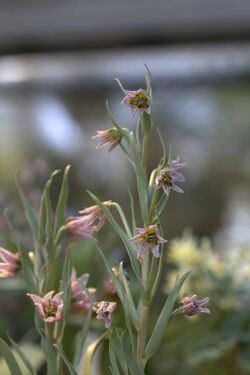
column 9, row 263
column 80, row 299
column 109, row 137
column 49, row 308
column 137, row 100
column 92, row 220
column 167, row 177
column 149, row 239
column 104, row 310
column 192, row 306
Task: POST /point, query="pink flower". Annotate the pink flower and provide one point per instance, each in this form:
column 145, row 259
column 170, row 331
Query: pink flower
column 104, row 310
column 83, row 227
column 192, row 306
column 167, row 177
column 9, row 263
column 137, row 100
column 49, row 308
column 80, row 299
column 149, row 239
column 108, row 286
column 109, row 137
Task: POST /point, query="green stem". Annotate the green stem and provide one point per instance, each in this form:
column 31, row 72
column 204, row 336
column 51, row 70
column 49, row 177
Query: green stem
column 142, row 336
column 145, row 150
column 50, row 334
column 144, row 309
column 153, row 204
column 129, row 295
column 143, row 314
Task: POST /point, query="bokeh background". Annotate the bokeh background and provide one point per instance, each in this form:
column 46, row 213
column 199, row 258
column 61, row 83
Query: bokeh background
column 57, row 64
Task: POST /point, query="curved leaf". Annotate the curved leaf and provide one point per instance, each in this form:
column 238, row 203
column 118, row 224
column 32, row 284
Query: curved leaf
column 65, row 359
column 130, row 246
column 7, row 354
column 162, row 322
column 62, row 202
column 90, row 353
column 28, row 209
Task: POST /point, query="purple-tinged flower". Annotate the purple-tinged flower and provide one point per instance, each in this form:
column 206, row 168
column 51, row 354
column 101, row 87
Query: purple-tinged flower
column 167, row 177
column 109, row 137
column 137, row 100
column 49, row 308
column 104, row 310
column 108, row 286
column 92, row 220
column 149, row 239
column 192, row 306
column 80, row 300
column 9, row 263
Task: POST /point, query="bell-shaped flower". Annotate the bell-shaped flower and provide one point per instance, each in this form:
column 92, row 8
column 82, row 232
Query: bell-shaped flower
column 79, row 298
column 110, row 137
column 148, row 239
column 137, row 100
column 9, row 263
column 167, row 177
column 104, row 310
column 49, row 308
column 91, row 220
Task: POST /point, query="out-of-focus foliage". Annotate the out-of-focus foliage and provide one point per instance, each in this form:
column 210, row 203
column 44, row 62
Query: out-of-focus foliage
column 219, row 343
column 31, row 351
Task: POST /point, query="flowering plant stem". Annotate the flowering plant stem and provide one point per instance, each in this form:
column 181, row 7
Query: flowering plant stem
column 49, row 268
column 144, row 310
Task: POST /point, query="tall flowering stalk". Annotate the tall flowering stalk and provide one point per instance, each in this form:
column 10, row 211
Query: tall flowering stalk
column 52, row 281
column 144, row 244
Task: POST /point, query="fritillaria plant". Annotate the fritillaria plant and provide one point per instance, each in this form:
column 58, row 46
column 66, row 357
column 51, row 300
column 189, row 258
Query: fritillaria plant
column 49, row 268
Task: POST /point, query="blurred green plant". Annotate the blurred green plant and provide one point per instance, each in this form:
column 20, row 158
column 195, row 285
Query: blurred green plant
column 221, row 345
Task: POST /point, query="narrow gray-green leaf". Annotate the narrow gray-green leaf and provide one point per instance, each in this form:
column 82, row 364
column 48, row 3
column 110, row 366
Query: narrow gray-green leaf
column 164, row 157
column 65, row 359
column 7, row 354
column 62, row 202
column 130, row 246
column 132, row 208
column 81, row 339
column 162, row 203
column 28, row 209
column 148, row 81
column 112, row 358
column 170, row 155
column 130, row 306
column 131, row 362
column 140, row 179
column 162, row 322
column 121, row 293
column 21, row 354
column 114, row 122
column 27, row 267
column 66, row 278
column 117, row 345
column 110, row 272
column 45, row 212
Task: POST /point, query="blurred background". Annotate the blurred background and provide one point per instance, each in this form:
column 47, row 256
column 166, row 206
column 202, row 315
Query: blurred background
column 57, row 64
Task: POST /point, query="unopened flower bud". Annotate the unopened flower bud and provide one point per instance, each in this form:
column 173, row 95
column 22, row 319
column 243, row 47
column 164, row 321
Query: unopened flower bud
column 192, row 306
